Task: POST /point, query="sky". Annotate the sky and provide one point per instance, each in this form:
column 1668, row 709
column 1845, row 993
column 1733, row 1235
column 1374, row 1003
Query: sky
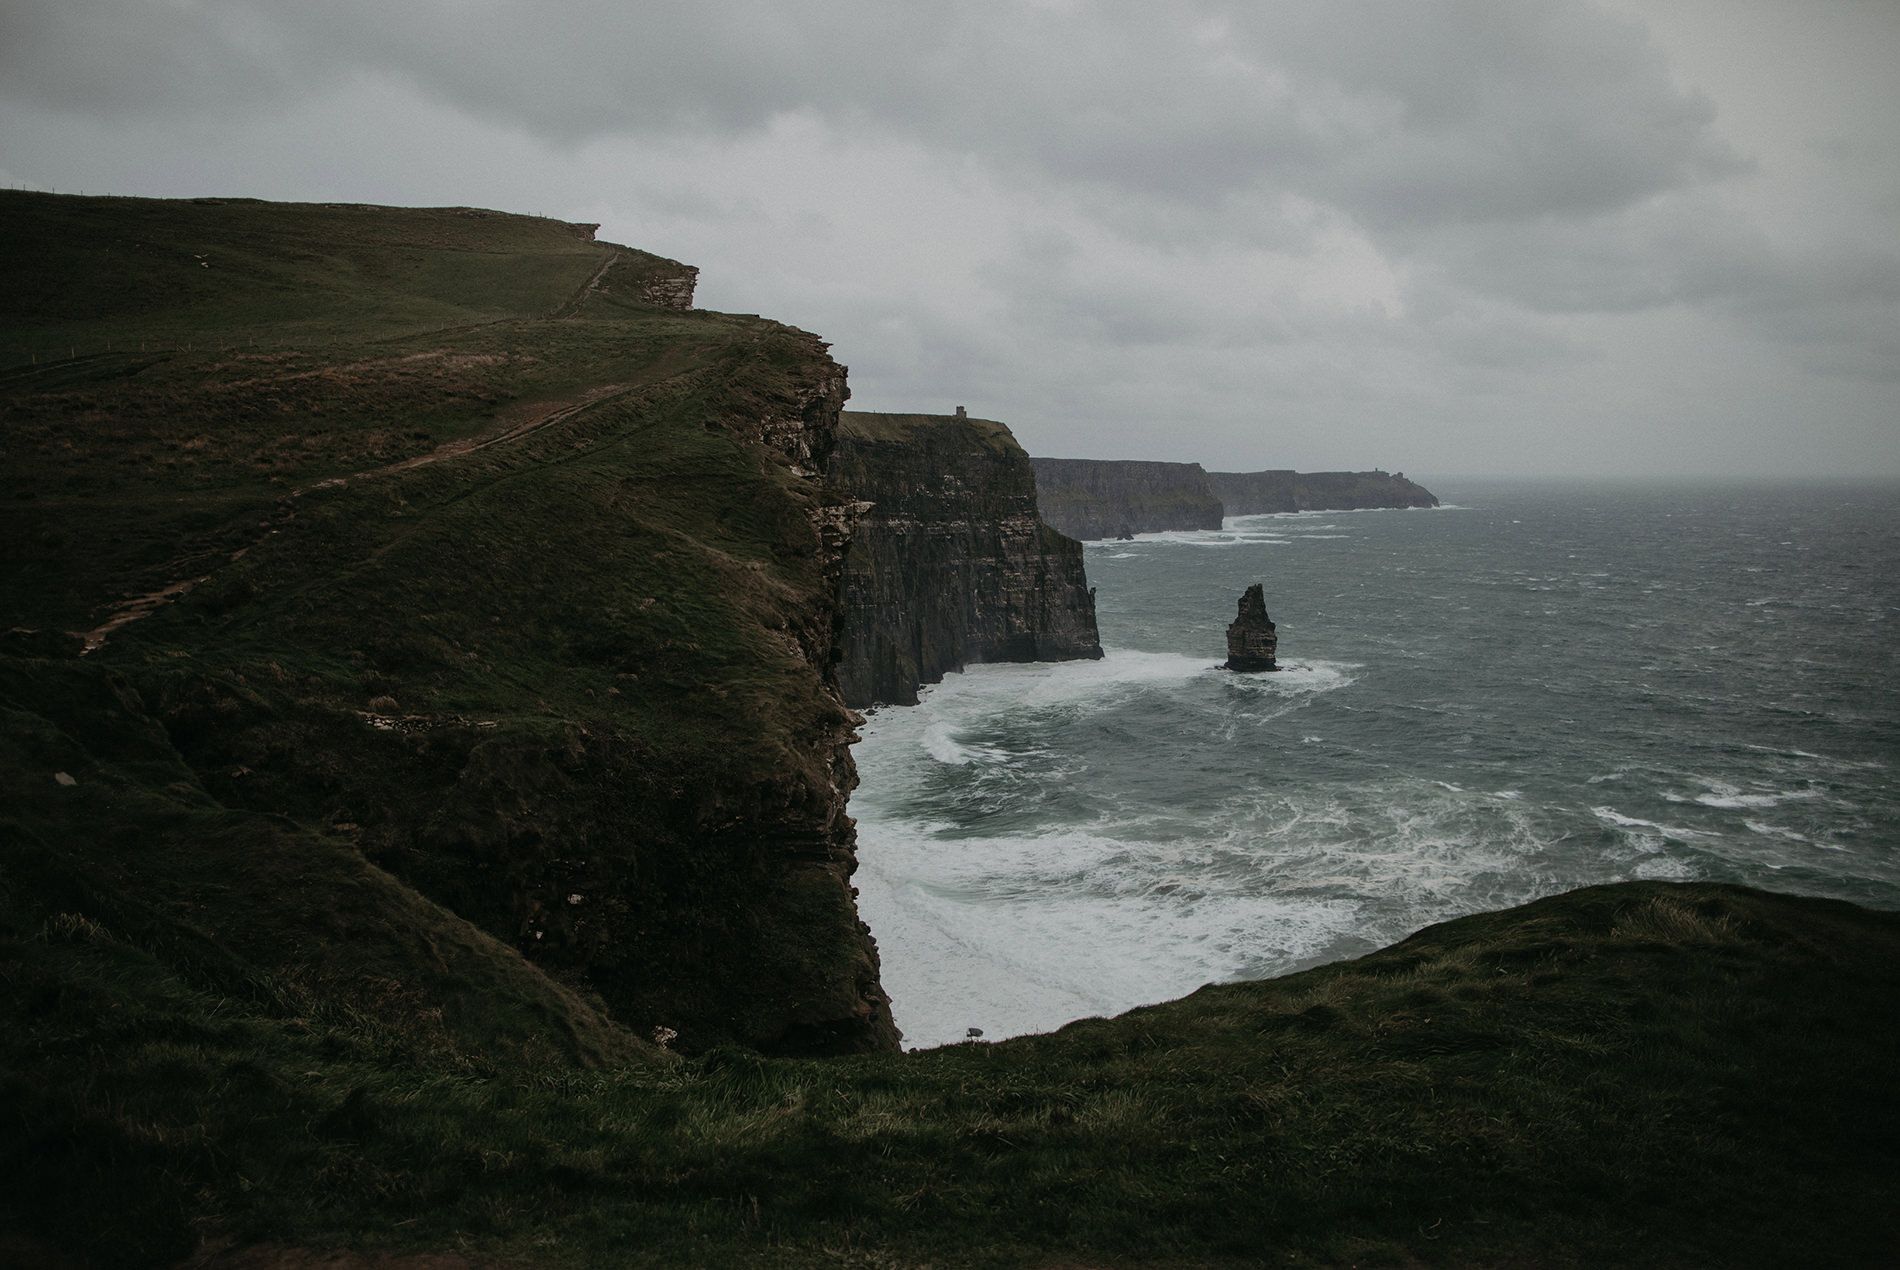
column 1512, row 237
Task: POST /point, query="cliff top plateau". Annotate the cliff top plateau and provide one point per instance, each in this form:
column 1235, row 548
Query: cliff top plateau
column 439, row 853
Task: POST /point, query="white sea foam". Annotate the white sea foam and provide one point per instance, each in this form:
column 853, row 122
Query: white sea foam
column 1023, row 935
column 940, row 744
column 1727, row 797
column 1741, row 802
column 1024, row 932
column 981, row 689
column 1611, row 816
column 1665, row 869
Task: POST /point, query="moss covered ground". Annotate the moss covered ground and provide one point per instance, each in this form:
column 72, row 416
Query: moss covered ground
column 1644, row 1075
column 287, row 949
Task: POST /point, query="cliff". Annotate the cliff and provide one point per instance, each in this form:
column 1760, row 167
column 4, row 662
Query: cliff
column 1257, row 493
column 1104, row 498
column 447, row 565
column 951, row 564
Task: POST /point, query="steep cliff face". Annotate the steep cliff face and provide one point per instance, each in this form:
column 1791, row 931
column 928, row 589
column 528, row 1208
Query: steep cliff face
column 1258, row 493
column 951, row 563
column 521, row 623
column 1103, row 498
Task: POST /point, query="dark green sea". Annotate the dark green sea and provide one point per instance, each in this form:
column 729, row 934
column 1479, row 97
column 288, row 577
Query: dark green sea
column 1532, row 688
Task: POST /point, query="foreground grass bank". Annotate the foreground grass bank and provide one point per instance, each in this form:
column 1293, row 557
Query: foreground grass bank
column 1637, row 1075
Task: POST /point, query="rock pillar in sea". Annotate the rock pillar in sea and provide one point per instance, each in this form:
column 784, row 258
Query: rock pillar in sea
column 1250, row 640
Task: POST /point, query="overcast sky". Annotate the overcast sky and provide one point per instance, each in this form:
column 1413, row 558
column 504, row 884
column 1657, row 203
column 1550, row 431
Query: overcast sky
column 1441, row 236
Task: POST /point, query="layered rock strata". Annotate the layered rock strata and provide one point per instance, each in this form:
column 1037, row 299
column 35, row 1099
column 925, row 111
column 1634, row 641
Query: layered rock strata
column 1251, row 641
column 1116, row 498
column 951, row 564
column 1282, row 490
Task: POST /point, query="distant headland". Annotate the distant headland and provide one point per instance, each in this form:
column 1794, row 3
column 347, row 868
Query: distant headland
column 1118, row 498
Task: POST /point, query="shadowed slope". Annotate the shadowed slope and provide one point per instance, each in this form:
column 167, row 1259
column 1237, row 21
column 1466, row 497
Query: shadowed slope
column 534, row 613
column 1644, row 1075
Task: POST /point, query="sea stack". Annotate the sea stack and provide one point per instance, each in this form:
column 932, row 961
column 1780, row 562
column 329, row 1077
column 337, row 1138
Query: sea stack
column 1250, row 640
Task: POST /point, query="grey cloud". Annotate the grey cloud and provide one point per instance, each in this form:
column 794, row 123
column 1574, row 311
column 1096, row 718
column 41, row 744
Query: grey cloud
column 128, row 59
column 1836, row 311
column 1833, row 307
column 1399, row 110
column 1669, row 251
column 1042, row 291
column 1475, row 110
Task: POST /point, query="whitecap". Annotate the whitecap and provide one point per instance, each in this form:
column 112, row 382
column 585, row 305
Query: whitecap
column 1775, row 831
column 1610, row 815
column 1727, row 797
column 1023, row 934
column 1743, row 802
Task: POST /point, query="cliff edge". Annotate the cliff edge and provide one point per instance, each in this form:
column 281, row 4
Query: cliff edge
column 1280, row 490
column 461, row 614
column 1115, row 498
column 951, row 563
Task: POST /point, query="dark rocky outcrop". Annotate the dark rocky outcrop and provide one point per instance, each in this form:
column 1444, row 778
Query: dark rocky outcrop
column 1251, row 642
column 1114, row 498
column 665, row 284
column 1281, row 490
column 950, row 564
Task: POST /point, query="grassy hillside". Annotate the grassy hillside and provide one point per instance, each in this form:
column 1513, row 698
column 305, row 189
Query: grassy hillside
column 457, row 722
column 1643, row 1075
column 532, row 613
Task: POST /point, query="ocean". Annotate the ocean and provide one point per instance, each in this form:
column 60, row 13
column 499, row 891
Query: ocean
column 1534, row 687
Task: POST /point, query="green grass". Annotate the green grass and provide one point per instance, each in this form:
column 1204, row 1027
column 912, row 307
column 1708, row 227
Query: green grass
column 232, row 272
column 912, row 429
column 1641, row 1075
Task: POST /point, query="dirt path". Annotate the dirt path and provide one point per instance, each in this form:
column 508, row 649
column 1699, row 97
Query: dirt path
column 541, row 416
column 572, row 304
column 272, row 1257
